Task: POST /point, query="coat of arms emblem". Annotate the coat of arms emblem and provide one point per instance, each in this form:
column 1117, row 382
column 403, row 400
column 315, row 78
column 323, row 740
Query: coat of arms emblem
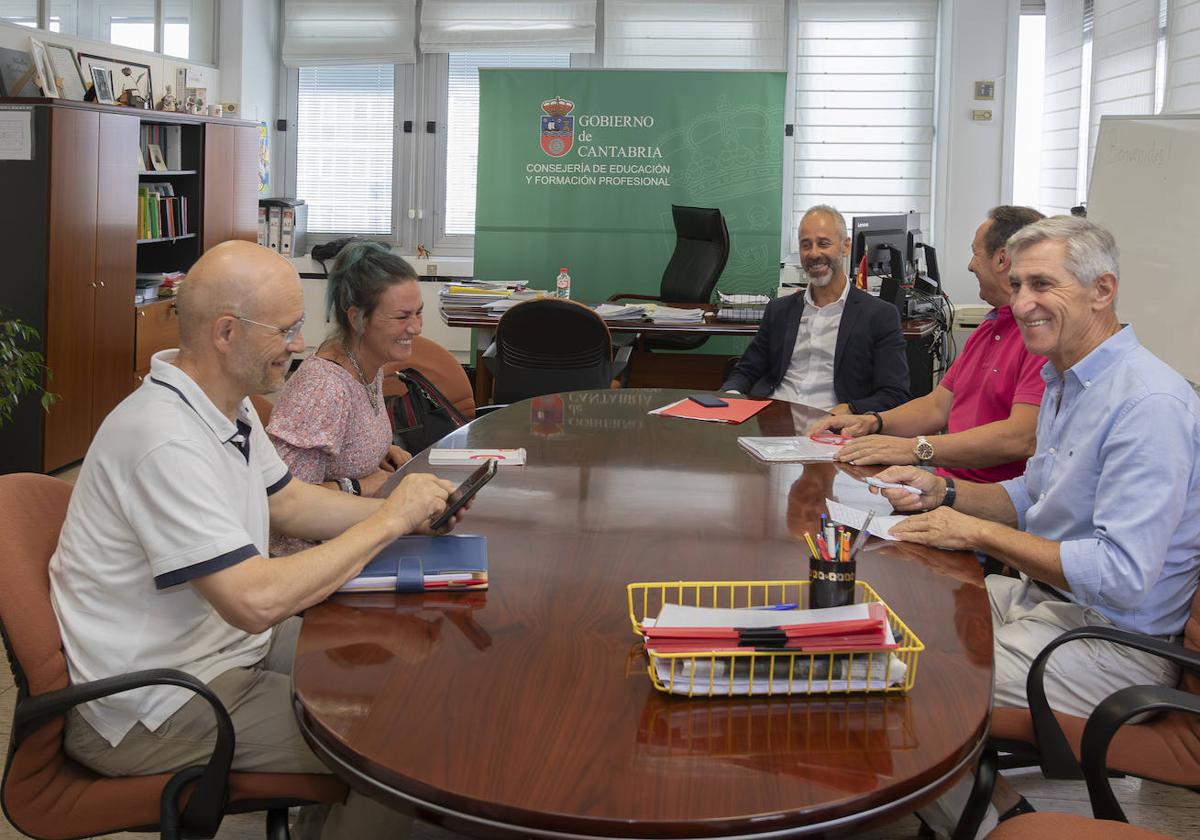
column 558, row 126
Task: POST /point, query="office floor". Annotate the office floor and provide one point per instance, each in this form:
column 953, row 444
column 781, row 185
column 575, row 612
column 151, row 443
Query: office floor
column 1158, row 807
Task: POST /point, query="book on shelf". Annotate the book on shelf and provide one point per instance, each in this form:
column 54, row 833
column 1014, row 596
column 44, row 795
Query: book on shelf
column 262, row 225
column 168, row 139
column 161, row 213
column 274, row 227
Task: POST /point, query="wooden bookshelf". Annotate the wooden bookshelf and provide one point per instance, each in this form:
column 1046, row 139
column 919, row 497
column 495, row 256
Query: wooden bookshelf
column 69, row 221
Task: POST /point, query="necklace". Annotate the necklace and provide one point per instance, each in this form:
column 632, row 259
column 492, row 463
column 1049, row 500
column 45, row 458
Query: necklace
column 372, row 395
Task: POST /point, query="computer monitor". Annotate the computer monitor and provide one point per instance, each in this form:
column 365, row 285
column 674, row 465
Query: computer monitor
column 889, row 243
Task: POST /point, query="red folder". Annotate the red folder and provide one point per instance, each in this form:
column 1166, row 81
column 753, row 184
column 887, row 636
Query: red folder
column 737, row 411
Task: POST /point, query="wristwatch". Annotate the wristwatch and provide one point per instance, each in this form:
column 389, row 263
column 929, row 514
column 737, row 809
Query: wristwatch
column 349, row 485
column 951, row 493
column 924, row 450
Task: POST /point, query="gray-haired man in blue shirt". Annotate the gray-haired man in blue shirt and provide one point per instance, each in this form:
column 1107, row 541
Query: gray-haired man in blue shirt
column 1104, row 525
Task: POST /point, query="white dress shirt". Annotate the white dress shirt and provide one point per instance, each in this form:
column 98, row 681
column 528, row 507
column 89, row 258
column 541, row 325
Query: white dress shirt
column 809, row 377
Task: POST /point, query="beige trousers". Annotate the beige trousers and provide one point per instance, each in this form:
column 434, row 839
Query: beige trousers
column 259, row 700
column 1025, row 618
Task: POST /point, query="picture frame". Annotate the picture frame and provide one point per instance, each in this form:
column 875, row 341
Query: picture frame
column 102, row 84
column 131, row 82
column 66, row 67
column 42, row 68
column 156, row 157
column 17, row 73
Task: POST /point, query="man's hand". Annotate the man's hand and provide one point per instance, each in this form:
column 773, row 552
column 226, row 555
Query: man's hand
column 850, row 425
column 941, row 528
column 416, row 500
column 878, row 449
column 840, row 408
column 394, row 459
column 932, row 487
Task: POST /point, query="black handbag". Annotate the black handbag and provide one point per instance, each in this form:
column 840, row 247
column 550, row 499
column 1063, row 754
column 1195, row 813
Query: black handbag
column 423, row 416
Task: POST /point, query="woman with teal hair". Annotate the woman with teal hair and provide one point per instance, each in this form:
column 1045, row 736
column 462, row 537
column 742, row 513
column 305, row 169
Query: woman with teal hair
column 330, row 424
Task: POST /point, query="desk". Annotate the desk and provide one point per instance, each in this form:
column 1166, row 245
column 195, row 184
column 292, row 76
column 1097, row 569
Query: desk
column 527, row 711
column 917, row 336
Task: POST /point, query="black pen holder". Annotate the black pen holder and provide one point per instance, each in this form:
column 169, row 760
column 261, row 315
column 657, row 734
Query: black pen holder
column 830, row 584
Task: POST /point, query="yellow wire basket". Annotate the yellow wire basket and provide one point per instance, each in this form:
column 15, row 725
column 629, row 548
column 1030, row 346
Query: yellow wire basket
column 754, row 672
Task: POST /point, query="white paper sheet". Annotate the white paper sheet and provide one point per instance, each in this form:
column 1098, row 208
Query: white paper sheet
column 852, row 517
column 16, row 134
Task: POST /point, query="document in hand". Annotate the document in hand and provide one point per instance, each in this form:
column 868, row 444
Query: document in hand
column 737, row 410
column 852, row 517
column 789, row 449
column 452, row 563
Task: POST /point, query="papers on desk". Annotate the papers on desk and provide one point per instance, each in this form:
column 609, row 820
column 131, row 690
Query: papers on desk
column 854, row 518
column 660, row 314
column 473, row 457
column 741, row 307
column 799, row 449
column 735, row 411
column 619, row 312
column 794, row 636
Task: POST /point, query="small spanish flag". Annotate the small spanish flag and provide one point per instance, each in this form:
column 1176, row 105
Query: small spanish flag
column 860, row 279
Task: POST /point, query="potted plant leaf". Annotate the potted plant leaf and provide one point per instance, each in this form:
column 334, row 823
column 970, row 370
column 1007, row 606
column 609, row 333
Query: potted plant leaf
column 20, row 368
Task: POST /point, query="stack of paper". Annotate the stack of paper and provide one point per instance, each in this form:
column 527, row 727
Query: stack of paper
column 619, row 312
column 499, row 307
column 474, row 457
column 789, row 449
column 713, row 633
column 674, row 315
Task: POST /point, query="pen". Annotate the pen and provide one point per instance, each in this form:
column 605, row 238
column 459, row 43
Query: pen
column 862, row 534
column 779, row 607
column 824, row 546
column 844, row 548
column 827, row 529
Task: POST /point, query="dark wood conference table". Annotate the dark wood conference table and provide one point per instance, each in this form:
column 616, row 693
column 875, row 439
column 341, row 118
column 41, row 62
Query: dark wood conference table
column 484, row 325
column 526, row 710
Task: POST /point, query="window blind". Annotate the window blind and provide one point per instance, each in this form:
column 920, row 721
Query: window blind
column 320, row 33
column 1061, row 112
column 462, row 128
column 1183, row 58
column 1124, row 58
column 344, row 141
column 557, row 26
column 694, row 34
column 864, row 106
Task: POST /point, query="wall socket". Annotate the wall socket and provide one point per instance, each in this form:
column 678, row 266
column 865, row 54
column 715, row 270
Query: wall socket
column 431, row 269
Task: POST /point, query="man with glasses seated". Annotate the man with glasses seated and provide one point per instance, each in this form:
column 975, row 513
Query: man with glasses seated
column 162, row 560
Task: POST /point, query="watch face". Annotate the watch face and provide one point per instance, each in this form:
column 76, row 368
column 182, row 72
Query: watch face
column 924, row 450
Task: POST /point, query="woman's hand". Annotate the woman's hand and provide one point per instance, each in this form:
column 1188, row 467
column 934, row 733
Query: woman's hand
column 394, row 459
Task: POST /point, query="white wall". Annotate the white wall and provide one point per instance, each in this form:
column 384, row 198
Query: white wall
column 162, row 68
column 248, row 49
column 969, row 166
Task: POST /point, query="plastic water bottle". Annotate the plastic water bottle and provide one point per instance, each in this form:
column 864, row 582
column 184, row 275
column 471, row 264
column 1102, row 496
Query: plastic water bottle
column 562, row 284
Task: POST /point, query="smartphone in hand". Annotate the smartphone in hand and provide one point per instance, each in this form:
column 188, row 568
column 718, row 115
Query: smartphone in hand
column 464, row 493
column 708, row 400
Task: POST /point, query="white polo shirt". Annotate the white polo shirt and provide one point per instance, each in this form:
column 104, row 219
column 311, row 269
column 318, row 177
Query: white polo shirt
column 809, row 377
column 169, row 492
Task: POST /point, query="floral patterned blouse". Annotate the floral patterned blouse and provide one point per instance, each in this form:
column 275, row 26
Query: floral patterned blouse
column 324, row 428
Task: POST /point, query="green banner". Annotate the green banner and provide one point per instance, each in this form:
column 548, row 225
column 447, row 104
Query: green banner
column 580, row 168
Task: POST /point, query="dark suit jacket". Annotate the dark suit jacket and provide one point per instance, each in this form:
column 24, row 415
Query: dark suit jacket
column 870, row 369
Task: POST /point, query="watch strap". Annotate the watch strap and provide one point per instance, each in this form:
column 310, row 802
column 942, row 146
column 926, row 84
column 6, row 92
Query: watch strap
column 951, row 492
column 879, row 421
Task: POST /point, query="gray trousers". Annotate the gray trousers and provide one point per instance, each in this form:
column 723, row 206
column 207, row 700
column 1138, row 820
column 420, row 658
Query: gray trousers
column 259, row 700
column 1025, row 619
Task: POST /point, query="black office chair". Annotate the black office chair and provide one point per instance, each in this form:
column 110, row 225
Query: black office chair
column 701, row 251
column 548, row 346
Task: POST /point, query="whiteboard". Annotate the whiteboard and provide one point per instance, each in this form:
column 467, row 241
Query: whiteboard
column 1146, row 189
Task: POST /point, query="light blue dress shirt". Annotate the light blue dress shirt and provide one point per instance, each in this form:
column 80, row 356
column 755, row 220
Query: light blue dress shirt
column 1116, row 481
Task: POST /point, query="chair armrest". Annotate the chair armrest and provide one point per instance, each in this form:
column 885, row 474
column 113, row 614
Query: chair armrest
column 1058, row 761
column 207, row 803
column 1112, row 713
column 620, row 360
column 630, row 296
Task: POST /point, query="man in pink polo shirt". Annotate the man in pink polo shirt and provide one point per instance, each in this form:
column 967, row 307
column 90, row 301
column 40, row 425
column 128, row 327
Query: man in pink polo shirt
column 987, row 402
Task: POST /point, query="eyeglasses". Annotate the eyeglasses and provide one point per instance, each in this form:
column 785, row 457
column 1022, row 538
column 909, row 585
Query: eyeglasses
column 289, row 333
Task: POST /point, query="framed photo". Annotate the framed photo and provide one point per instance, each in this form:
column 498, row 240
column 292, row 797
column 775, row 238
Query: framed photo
column 130, row 80
column 66, row 72
column 42, row 69
column 17, row 75
column 102, row 82
column 156, row 157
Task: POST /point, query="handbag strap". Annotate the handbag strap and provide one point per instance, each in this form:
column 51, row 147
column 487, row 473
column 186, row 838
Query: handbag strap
column 414, row 378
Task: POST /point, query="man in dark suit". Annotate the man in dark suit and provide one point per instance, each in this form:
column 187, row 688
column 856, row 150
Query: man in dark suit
column 834, row 347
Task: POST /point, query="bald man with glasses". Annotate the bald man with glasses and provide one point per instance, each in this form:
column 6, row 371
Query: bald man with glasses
column 162, row 560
